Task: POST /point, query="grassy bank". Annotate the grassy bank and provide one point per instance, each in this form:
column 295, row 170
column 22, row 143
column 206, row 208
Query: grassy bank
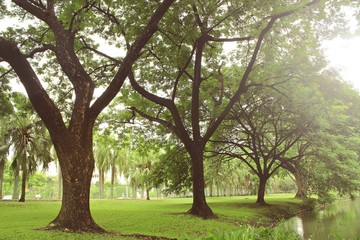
column 163, row 217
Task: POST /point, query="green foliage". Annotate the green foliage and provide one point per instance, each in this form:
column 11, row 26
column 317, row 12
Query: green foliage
column 173, row 170
column 246, row 232
column 309, row 203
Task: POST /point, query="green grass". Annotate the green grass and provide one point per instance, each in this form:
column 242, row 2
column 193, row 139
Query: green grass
column 163, row 217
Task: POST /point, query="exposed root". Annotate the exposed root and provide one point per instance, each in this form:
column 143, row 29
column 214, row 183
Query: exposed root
column 202, row 213
column 93, row 228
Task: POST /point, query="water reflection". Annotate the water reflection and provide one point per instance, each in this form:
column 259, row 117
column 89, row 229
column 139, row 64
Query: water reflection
column 339, row 219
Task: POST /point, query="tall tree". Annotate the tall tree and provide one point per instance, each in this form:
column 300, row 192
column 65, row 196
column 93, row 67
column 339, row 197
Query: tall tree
column 187, row 83
column 61, row 32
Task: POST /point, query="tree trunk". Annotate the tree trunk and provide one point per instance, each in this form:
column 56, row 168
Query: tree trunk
column 101, row 183
column 113, row 171
column 147, row 194
column 23, row 178
column 134, row 191
column 199, row 207
column 77, row 165
column 261, row 191
column 301, row 184
column 2, row 167
column 15, row 194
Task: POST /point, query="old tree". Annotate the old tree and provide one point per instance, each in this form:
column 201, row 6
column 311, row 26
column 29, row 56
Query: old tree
column 183, row 80
column 55, row 45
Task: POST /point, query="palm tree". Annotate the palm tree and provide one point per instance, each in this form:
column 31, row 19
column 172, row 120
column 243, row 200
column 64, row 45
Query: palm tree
column 108, row 158
column 139, row 171
column 31, row 147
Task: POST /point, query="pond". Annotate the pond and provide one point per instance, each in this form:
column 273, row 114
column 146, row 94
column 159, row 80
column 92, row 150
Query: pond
column 340, row 219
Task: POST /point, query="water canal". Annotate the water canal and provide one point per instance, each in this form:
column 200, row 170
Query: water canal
column 340, row 220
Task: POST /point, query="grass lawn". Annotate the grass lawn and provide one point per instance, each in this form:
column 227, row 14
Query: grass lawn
column 162, row 217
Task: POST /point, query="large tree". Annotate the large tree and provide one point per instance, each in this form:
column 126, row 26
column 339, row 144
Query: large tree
column 55, row 45
column 185, row 78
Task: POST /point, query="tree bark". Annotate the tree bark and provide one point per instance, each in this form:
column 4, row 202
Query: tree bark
column 77, row 165
column 261, row 191
column 199, row 207
column 301, row 184
column 23, row 178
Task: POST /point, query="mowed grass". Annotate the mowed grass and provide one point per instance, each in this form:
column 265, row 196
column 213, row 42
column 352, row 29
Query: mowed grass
column 160, row 217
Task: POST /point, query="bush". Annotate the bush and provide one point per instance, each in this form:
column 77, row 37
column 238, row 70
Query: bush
column 309, row 203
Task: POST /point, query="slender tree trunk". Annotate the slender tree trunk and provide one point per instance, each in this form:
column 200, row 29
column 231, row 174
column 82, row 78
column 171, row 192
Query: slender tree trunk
column 142, row 191
column 134, row 191
column 211, row 185
column 77, row 165
column 113, row 171
column 261, row 191
column 2, row 167
column 23, row 178
column 199, row 207
column 101, row 183
column 147, row 194
column 15, row 194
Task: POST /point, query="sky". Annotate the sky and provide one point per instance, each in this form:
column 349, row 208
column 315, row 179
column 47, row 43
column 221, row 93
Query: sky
column 344, row 55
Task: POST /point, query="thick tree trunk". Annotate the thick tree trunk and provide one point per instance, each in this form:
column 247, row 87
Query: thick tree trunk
column 2, row 167
column 200, row 207
column 77, row 166
column 301, row 185
column 23, row 179
column 261, row 191
column 15, row 194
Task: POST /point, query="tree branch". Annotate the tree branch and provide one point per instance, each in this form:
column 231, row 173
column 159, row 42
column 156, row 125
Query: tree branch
column 125, row 68
column 44, row 106
column 165, row 123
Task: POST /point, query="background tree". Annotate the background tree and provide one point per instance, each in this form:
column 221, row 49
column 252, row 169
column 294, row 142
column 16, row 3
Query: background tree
column 6, row 109
column 262, row 130
column 332, row 161
column 172, row 171
column 29, row 140
column 60, row 33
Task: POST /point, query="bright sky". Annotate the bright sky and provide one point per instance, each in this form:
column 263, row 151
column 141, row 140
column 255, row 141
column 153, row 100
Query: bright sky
column 344, row 55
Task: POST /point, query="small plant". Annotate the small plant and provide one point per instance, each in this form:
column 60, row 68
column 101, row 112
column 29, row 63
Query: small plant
column 309, row 203
column 249, row 233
